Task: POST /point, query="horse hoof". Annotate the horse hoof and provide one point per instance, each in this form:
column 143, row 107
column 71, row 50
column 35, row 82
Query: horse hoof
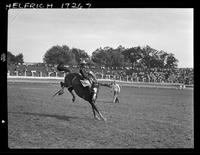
column 104, row 119
column 73, row 100
column 96, row 117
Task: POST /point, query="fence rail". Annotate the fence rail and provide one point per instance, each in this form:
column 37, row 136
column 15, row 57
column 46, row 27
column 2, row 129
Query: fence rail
column 122, row 83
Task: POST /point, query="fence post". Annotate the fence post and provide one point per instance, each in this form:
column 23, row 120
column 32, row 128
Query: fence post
column 8, row 73
column 33, row 72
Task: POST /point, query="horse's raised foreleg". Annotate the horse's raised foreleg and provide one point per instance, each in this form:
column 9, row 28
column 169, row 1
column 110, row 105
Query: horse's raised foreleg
column 70, row 90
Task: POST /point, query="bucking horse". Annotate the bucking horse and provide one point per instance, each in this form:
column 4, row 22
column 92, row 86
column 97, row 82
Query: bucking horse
column 73, row 81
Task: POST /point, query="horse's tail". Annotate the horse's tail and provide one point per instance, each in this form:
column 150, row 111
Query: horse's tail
column 63, row 68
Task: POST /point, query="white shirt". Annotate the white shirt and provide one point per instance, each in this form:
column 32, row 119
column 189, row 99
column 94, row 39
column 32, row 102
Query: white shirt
column 115, row 87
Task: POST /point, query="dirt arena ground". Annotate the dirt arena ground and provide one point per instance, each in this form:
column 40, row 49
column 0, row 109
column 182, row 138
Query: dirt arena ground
column 144, row 118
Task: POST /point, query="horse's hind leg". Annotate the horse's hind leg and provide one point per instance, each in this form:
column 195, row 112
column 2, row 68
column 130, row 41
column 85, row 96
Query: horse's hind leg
column 94, row 108
column 70, row 90
column 95, row 116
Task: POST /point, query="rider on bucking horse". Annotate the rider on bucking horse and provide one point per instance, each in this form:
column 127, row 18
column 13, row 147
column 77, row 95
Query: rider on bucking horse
column 84, row 73
column 87, row 81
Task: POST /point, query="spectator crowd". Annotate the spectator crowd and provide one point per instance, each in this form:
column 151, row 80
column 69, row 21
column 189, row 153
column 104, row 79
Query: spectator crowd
column 178, row 75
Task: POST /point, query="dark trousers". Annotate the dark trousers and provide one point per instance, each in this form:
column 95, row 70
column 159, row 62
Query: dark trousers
column 84, row 74
column 115, row 97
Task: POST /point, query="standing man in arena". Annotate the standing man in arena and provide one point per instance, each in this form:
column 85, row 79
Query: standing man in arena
column 116, row 89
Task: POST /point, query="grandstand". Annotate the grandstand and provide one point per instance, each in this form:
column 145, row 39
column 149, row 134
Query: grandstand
column 150, row 75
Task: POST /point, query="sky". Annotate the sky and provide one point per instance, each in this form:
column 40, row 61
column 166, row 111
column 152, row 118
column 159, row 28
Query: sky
column 34, row 31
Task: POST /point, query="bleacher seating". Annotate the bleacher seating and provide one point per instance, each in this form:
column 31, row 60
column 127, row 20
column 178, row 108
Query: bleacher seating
column 180, row 75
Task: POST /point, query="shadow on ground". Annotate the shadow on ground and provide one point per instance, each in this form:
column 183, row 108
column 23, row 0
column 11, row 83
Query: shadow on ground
column 105, row 101
column 60, row 117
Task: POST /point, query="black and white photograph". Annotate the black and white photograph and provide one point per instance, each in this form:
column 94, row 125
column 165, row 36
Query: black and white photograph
column 100, row 78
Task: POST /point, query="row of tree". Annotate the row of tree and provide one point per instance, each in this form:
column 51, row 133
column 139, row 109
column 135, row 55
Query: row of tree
column 110, row 57
column 107, row 56
column 15, row 59
column 63, row 54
